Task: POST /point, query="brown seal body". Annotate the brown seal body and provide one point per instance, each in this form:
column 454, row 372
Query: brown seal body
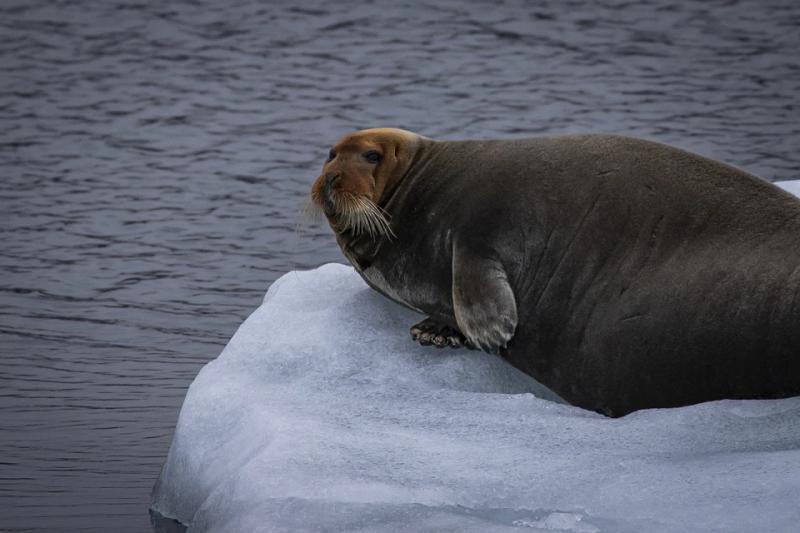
column 621, row 273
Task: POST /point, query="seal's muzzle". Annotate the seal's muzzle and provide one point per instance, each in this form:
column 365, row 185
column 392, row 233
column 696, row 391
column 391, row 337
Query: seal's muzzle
column 328, row 194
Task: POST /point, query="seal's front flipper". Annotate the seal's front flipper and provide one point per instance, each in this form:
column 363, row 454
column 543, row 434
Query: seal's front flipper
column 430, row 332
column 484, row 304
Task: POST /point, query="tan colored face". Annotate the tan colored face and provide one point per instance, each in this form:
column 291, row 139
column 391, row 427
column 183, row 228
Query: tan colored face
column 361, row 167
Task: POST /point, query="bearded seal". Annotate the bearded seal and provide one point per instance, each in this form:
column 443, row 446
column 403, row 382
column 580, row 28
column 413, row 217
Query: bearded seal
column 621, row 273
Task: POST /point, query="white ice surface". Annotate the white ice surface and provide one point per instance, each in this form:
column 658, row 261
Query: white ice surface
column 322, row 415
column 791, row 186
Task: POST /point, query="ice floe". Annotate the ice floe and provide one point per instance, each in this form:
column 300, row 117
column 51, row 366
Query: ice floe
column 322, row 415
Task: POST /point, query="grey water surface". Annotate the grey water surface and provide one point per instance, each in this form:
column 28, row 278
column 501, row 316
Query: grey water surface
column 155, row 158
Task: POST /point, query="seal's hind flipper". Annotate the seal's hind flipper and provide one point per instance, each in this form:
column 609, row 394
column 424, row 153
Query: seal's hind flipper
column 483, row 301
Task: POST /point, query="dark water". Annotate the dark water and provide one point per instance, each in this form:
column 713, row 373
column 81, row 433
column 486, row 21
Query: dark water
column 154, row 157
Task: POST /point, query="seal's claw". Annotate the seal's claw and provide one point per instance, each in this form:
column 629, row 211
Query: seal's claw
column 425, row 339
column 432, row 333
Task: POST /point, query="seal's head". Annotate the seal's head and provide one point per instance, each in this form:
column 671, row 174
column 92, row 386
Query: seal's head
column 361, row 171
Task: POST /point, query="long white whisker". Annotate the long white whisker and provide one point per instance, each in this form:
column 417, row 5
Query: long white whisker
column 383, row 218
column 362, row 216
column 370, row 216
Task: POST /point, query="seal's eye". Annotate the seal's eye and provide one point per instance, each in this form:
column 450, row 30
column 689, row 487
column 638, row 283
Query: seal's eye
column 372, row 157
column 331, row 155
